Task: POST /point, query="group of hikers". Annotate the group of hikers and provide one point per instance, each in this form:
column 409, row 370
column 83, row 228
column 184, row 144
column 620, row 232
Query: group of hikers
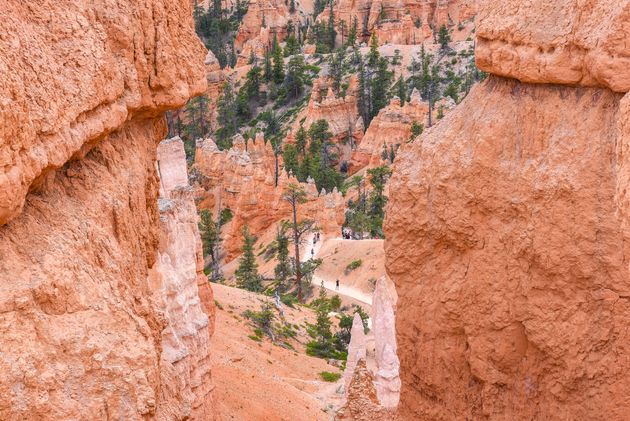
column 316, row 238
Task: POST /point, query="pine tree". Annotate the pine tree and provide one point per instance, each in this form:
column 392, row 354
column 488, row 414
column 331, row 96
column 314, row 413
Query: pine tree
column 300, row 140
column 294, row 79
column 283, row 267
column 290, row 158
column 380, row 87
column 247, row 273
column 352, row 35
column 278, row 62
column 373, row 55
column 267, row 72
column 252, row 83
column 363, row 99
column 330, row 28
column 207, row 232
column 401, row 90
column 226, row 110
column 444, row 37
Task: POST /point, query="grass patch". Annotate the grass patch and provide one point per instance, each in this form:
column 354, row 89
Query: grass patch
column 327, row 376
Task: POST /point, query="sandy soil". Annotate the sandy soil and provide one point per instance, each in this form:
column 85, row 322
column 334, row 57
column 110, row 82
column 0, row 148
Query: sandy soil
column 259, row 380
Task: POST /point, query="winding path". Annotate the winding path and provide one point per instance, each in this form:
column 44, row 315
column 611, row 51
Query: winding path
column 329, row 284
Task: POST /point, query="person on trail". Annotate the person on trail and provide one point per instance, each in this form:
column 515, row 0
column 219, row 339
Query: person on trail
column 337, row 284
column 312, row 252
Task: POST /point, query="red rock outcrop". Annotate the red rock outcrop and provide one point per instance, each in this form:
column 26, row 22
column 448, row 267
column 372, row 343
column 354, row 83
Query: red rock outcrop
column 243, row 180
column 83, row 94
column 508, row 233
column 391, row 127
column 341, row 113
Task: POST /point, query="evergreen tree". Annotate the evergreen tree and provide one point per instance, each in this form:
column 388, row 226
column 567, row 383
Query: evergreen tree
column 278, row 62
column 291, row 47
column 363, row 100
column 247, row 273
column 373, row 55
column 330, row 28
column 294, row 79
column 401, row 90
column 444, row 37
column 252, row 83
column 352, row 35
column 378, row 178
column 226, row 110
column 335, row 71
column 267, row 72
column 380, row 87
column 300, row 140
column 283, row 267
column 290, row 157
column 208, row 233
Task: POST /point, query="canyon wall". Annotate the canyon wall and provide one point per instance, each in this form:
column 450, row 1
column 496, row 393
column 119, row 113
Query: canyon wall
column 507, row 237
column 82, row 327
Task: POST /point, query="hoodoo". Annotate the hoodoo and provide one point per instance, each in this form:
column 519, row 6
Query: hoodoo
column 507, row 235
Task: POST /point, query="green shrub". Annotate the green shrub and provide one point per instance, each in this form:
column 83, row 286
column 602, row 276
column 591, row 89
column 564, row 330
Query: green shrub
column 355, row 264
column 327, row 376
column 335, row 303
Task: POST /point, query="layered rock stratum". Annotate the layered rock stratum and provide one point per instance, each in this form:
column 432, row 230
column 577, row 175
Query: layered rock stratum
column 86, row 310
column 507, row 235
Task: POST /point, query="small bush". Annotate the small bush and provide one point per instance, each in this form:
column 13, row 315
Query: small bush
column 327, row 376
column 335, row 303
column 355, row 264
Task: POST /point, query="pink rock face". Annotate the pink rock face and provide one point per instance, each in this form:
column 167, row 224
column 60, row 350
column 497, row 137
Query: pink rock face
column 81, row 324
column 557, row 42
column 387, row 379
column 174, row 279
column 243, row 180
column 391, row 127
column 68, row 85
column 506, row 241
column 356, row 350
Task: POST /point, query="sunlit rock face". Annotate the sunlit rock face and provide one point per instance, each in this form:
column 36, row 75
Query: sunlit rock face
column 507, row 233
column 83, row 92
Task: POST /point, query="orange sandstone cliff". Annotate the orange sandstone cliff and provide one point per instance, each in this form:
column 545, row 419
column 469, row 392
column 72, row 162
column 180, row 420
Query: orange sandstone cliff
column 99, row 305
column 507, row 234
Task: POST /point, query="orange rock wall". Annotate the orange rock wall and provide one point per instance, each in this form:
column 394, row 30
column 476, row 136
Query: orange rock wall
column 81, row 327
column 507, row 236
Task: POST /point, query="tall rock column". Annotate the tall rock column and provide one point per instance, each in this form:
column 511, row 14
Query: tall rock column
column 356, row 350
column 507, row 237
column 387, row 379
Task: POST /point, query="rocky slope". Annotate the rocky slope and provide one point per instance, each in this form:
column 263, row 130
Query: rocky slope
column 508, row 232
column 243, row 180
column 85, row 305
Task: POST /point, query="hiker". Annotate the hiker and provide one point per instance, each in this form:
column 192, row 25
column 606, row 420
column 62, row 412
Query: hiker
column 312, row 252
column 337, row 284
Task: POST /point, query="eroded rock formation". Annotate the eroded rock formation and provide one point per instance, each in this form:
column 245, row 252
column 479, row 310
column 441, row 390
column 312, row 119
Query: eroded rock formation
column 243, row 180
column 390, row 128
column 183, row 293
column 387, row 378
column 507, row 236
column 356, row 349
column 408, row 22
column 82, row 94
